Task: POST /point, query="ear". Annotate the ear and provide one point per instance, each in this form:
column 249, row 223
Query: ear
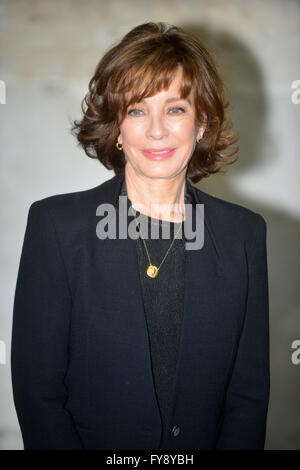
column 201, row 130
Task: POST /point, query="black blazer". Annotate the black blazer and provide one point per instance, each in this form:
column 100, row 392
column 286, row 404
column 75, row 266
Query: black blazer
column 80, row 358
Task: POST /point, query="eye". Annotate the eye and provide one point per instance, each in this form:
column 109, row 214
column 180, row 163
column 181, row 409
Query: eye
column 178, row 109
column 132, row 112
column 136, row 112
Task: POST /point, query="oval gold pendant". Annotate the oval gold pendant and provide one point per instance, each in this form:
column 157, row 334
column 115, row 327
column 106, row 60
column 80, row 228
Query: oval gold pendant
column 152, row 271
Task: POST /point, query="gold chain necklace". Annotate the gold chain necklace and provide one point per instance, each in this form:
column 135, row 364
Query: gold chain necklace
column 152, row 270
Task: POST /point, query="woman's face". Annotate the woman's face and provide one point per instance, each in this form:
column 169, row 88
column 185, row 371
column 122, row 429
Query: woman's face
column 162, row 122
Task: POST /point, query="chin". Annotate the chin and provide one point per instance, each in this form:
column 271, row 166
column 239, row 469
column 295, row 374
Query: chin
column 159, row 172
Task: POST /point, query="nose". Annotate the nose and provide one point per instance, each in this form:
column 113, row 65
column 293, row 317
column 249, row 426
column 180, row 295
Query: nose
column 157, row 128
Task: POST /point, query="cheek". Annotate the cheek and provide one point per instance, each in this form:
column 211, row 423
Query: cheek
column 131, row 134
column 184, row 131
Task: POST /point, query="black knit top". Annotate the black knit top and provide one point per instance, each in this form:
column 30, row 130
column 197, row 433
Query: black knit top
column 163, row 299
column 163, row 303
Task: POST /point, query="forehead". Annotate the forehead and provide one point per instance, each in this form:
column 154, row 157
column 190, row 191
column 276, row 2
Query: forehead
column 169, row 94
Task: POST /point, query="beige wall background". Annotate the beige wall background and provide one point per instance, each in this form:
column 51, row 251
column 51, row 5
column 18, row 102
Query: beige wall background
column 48, row 52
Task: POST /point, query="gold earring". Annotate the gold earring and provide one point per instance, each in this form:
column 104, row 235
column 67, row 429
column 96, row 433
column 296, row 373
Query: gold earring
column 119, row 146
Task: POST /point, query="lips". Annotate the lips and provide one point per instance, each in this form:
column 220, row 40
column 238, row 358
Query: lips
column 158, row 153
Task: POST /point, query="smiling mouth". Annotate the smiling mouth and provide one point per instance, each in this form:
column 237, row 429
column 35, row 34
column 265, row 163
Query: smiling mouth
column 158, row 154
column 161, row 150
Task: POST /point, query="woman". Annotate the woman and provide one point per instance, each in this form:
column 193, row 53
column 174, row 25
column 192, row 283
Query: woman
column 137, row 342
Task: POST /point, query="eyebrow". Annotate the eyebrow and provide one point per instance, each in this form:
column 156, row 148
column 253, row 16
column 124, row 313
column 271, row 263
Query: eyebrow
column 171, row 100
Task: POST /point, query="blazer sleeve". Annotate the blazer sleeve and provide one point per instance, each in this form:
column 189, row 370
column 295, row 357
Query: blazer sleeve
column 243, row 424
column 39, row 343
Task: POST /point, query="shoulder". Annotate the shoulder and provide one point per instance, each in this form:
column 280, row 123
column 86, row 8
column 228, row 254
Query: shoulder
column 74, row 210
column 229, row 220
column 226, row 209
column 78, row 201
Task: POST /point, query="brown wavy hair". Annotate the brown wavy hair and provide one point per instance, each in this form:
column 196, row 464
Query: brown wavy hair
column 143, row 63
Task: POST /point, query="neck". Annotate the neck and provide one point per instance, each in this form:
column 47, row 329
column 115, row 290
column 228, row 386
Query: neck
column 161, row 198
